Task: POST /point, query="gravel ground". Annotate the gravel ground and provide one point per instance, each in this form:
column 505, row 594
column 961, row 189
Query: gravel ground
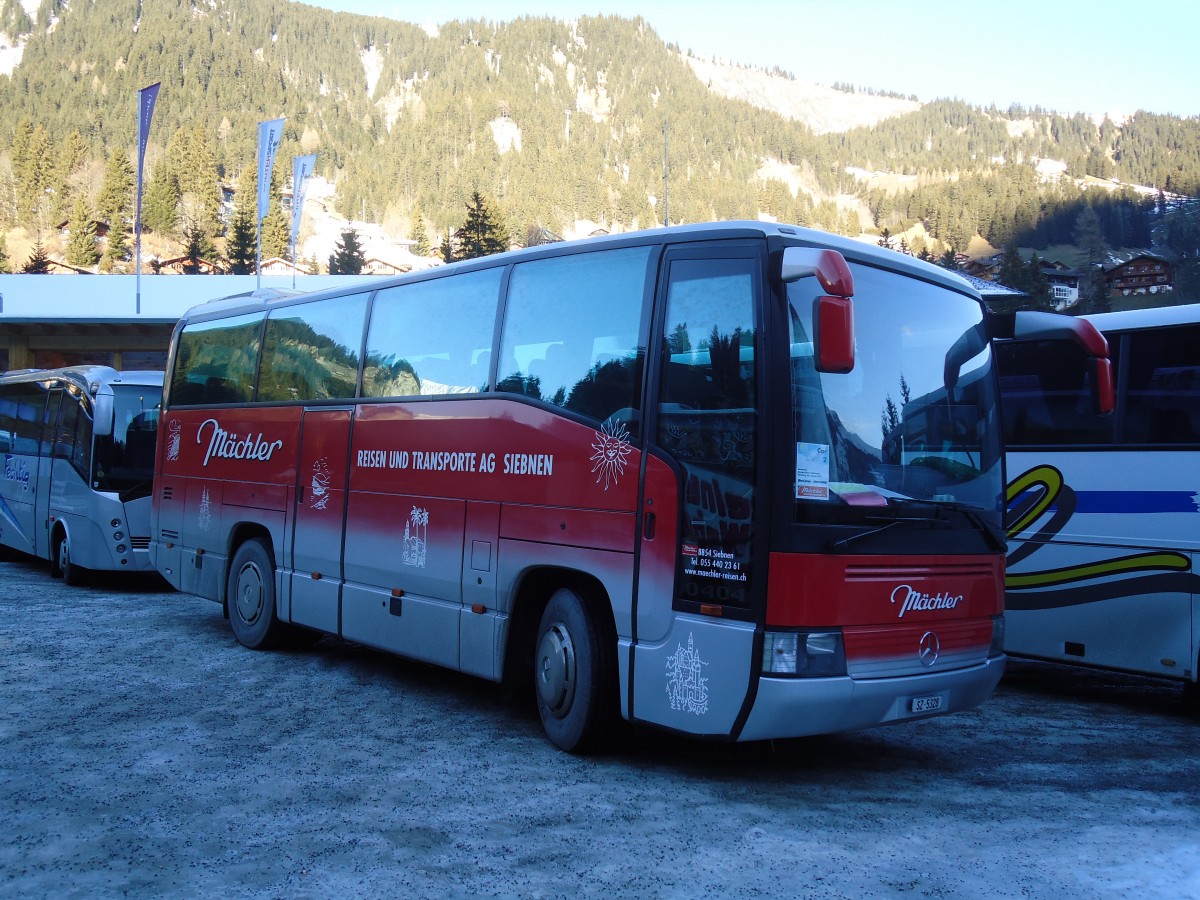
column 143, row 752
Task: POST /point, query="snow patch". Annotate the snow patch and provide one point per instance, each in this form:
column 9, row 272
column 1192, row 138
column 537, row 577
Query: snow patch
column 1050, row 169
column 506, row 134
column 372, row 63
column 822, row 109
column 1018, row 127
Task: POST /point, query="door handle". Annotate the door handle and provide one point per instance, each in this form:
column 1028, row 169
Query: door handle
column 648, row 525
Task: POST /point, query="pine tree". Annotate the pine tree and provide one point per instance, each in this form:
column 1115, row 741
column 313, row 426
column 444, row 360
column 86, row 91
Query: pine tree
column 421, row 247
column 348, row 257
column 117, row 249
column 81, row 245
column 1012, row 272
column 160, row 201
column 38, row 262
column 482, row 234
column 1038, row 286
column 276, row 232
column 115, row 203
column 197, row 248
column 33, row 170
column 239, row 246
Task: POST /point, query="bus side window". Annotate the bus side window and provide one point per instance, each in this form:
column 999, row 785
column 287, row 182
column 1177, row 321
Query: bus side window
column 571, row 333
column 1046, row 396
column 310, row 351
column 432, row 337
column 30, row 404
column 1163, row 387
column 216, row 361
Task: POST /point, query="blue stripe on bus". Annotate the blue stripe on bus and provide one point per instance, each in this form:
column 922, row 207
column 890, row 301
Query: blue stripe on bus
column 1124, row 502
column 9, row 516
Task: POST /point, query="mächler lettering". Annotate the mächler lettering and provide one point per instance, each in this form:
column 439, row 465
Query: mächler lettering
column 230, row 445
column 912, row 599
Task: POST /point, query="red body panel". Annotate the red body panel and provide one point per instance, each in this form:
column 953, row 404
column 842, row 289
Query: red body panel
column 830, row 591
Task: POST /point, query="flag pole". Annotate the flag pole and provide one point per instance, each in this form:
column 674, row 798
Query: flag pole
column 146, row 98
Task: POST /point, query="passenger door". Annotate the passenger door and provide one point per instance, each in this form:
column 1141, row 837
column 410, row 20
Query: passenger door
column 694, row 658
column 316, row 570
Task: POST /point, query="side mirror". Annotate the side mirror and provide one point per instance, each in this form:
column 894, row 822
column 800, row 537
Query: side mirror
column 1104, row 394
column 834, row 338
column 102, row 414
column 1028, row 325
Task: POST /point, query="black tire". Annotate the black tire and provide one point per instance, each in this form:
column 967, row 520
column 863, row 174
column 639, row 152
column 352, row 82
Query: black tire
column 71, row 574
column 574, row 675
column 250, row 597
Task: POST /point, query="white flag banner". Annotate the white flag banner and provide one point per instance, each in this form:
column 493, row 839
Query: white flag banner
column 302, row 169
column 146, row 98
column 269, row 135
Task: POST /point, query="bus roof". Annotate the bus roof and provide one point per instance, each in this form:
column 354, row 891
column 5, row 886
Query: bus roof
column 87, row 376
column 1158, row 317
column 853, row 250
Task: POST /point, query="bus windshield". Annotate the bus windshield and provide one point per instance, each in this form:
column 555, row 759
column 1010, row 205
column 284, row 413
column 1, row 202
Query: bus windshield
column 916, row 420
column 124, row 460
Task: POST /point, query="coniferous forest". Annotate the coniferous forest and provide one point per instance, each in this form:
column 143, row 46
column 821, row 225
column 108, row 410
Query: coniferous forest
column 552, row 122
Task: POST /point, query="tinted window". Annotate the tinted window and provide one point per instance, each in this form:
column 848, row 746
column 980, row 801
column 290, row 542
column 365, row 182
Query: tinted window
column 1161, row 382
column 21, row 411
column 310, row 352
column 571, row 333
column 707, row 420
column 432, row 337
column 215, row 362
column 1047, row 396
column 73, row 441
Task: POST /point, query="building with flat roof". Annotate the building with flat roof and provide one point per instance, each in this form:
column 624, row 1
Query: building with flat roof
column 48, row 321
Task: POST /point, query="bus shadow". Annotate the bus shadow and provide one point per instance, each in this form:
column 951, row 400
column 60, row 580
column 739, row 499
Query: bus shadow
column 1063, row 682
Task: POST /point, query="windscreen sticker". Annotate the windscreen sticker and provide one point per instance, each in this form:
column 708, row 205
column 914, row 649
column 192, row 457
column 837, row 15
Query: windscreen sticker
column 812, row 471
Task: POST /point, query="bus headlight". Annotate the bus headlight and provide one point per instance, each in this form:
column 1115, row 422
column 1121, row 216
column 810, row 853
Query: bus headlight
column 810, row 654
column 120, row 548
column 118, row 535
column 997, row 646
column 115, row 523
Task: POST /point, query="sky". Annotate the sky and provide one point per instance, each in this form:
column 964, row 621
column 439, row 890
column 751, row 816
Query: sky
column 1063, row 55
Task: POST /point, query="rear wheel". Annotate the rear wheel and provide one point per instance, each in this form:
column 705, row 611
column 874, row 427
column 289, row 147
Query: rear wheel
column 574, row 674
column 250, row 596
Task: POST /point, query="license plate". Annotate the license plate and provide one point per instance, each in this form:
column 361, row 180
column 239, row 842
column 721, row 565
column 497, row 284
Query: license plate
column 926, row 704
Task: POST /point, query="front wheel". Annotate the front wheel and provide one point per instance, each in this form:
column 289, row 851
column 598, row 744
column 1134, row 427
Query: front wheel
column 70, row 572
column 250, row 596
column 574, row 674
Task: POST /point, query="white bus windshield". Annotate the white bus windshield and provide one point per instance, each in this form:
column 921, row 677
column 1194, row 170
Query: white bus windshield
column 123, row 461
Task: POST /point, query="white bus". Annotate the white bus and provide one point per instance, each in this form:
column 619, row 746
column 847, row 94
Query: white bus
column 78, row 451
column 1104, row 512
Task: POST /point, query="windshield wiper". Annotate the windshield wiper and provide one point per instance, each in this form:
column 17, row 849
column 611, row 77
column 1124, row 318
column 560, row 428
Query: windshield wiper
column 996, row 538
column 889, row 522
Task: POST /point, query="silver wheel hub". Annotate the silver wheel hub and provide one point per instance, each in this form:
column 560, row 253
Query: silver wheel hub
column 249, row 594
column 555, row 667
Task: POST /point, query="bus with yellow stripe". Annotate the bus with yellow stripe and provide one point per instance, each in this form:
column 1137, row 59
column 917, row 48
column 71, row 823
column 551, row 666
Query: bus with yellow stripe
column 1103, row 518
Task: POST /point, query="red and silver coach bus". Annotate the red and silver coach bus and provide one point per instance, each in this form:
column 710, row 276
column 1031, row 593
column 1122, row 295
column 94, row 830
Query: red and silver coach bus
column 664, row 475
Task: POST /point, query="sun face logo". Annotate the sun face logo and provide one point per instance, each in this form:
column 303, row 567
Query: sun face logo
column 612, row 448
